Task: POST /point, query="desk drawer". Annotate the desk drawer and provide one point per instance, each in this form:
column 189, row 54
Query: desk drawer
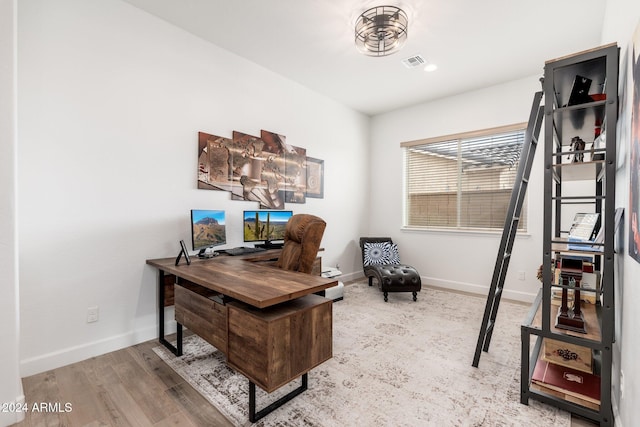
column 197, row 311
column 277, row 344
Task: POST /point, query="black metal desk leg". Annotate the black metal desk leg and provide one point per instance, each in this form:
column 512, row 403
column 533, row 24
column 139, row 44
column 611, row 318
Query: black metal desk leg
column 175, row 350
column 179, row 339
column 253, row 416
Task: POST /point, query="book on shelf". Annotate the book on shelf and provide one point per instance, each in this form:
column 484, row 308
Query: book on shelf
column 583, row 229
column 583, row 385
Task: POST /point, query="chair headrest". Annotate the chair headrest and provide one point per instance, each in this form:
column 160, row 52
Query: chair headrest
column 297, row 225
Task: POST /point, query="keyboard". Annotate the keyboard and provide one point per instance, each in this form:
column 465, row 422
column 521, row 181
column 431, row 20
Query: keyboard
column 243, row 251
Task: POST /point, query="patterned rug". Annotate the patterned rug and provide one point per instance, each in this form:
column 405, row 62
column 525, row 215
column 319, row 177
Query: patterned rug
column 400, row 363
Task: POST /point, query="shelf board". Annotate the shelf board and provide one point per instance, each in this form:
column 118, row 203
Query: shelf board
column 577, row 55
column 582, row 171
column 566, row 397
column 557, row 246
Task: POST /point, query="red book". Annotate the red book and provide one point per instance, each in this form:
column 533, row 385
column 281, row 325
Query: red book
column 575, row 383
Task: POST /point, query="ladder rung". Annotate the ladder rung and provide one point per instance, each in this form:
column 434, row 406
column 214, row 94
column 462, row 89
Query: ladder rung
column 490, row 326
column 498, row 292
column 507, row 255
column 525, row 180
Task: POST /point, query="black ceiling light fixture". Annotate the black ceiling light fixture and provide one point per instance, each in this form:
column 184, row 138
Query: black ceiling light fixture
column 381, row 30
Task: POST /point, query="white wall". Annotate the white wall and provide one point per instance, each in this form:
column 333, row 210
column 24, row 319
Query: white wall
column 622, row 18
column 10, row 384
column 111, row 100
column 457, row 260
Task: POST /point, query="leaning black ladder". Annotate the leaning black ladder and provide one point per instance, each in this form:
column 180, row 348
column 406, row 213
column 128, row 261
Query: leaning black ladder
column 510, row 226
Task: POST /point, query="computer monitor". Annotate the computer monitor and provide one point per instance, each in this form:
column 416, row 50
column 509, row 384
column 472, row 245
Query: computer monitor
column 265, row 226
column 207, row 230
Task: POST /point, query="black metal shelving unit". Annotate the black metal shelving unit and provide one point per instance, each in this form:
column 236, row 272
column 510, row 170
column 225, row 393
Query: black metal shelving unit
column 564, row 120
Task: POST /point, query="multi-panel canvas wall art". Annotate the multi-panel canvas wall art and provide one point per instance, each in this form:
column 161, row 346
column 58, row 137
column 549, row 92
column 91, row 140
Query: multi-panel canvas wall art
column 263, row 169
column 315, row 178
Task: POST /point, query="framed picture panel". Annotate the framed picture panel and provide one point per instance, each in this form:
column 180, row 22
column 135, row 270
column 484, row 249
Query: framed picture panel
column 315, row 178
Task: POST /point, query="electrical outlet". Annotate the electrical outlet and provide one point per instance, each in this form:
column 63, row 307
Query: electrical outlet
column 92, row 314
column 521, row 275
column 621, row 384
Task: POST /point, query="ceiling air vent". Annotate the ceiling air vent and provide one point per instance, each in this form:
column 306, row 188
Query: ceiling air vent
column 414, row 61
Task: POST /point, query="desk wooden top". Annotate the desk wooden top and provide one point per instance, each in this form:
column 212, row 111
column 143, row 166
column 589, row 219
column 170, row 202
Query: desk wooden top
column 247, row 278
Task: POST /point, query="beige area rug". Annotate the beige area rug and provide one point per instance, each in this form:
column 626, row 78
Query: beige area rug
column 400, row 363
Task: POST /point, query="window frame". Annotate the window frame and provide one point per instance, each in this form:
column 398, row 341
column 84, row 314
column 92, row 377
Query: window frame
column 488, row 132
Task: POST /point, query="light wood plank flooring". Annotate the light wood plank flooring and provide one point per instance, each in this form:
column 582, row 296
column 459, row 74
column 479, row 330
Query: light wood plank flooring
column 128, row 387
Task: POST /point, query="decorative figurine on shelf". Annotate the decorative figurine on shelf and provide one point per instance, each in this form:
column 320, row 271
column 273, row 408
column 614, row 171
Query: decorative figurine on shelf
column 540, row 274
column 577, row 146
column 570, row 277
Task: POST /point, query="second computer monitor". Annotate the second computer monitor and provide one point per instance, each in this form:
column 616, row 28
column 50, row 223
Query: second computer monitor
column 265, row 226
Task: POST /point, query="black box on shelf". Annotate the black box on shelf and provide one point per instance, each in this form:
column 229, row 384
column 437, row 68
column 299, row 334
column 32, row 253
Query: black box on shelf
column 580, row 91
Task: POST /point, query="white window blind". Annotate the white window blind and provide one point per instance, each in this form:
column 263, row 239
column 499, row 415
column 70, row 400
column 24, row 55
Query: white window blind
column 463, row 181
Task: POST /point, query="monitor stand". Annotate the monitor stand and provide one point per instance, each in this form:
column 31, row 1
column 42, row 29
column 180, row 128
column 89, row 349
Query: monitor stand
column 269, row 245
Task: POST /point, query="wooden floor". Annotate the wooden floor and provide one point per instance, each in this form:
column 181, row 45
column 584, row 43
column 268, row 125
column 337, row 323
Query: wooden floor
column 129, row 387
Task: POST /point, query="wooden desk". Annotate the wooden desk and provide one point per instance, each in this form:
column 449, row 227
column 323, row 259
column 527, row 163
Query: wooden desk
column 247, row 278
column 241, row 302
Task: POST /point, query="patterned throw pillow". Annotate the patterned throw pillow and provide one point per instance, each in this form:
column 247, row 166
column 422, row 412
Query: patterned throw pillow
column 394, row 255
column 380, row 253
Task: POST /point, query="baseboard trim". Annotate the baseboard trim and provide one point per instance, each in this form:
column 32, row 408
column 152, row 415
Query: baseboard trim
column 476, row 289
column 67, row 356
column 348, row 277
column 467, row 288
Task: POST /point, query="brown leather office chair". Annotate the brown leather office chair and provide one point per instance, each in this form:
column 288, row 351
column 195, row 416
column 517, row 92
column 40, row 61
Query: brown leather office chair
column 302, row 238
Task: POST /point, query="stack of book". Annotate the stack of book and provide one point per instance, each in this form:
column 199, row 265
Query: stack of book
column 574, row 385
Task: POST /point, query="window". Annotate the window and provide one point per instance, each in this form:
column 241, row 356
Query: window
column 463, row 181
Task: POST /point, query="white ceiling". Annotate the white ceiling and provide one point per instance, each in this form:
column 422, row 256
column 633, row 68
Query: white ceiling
column 474, row 43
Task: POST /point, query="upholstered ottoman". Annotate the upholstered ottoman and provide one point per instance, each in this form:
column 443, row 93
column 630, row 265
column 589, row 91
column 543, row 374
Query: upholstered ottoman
column 395, row 278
